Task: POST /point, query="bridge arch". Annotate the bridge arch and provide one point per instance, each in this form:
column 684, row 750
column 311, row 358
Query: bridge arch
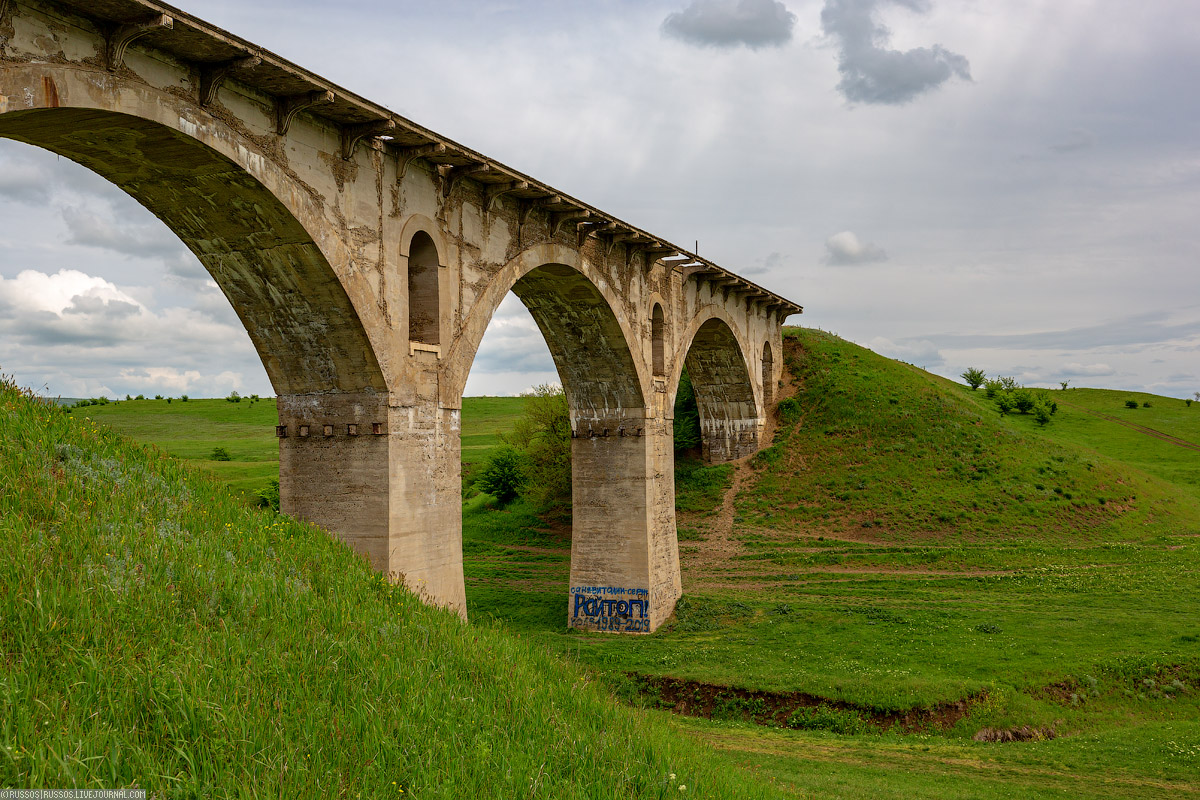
column 716, row 359
column 546, row 275
column 232, row 207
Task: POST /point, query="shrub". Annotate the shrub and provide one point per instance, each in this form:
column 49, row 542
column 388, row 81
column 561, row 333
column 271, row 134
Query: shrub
column 1041, row 414
column 990, row 388
column 1008, row 384
column 1023, row 400
column 1004, row 403
column 789, row 410
column 1063, row 384
column 974, row 377
column 1146, row 404
column 825, row 718
column 543, row 437
column 221, row 454
column 139, row 397
column 234, row 397
column 158, row 397
column 503, row 475
column 183, row 398
column 1188, row 402
column 269, row 497
column 686, row 427
column 1131, row 403
column 127, row 397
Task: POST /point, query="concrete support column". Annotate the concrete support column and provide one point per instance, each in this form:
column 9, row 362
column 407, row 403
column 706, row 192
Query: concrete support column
column 425, row 526
column 334, row 467
column 624, row 551
column 384, row 479
column 728, row 439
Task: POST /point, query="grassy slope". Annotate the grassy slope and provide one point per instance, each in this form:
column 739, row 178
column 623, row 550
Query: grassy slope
column 154, row 630
column 1172, row 416
column 916, row 553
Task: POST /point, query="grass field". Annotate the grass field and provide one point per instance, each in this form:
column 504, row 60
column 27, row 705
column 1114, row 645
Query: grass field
column 155, row 631
column 904, row 549
column 902, row 570
column 246, row 430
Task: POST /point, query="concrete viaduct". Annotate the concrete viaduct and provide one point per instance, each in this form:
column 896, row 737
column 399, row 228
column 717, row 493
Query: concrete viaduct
column 365, row 255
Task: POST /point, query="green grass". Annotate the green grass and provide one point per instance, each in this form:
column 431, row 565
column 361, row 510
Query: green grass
column 190, row 430
column 155, row 631
column 1111, row 440
column 902, row 546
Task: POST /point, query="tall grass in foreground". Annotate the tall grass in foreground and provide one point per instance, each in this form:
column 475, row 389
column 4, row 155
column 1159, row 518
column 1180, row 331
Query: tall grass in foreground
column 156, row 632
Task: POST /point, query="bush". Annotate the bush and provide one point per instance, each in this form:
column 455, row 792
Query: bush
column 1188, row 402
column 789, row 411
column 543, row 437
column 158, row 397
column 686, row 427
column 825, row 718
column 503, row 475
column 221, row 454
column 990, row 388
column 139, row 397
column 269, row 496
column 1041, row 414
column 1004, row 403
column 1023, row 400
column 234, row 397
column 974, row 377
column 1131, row 403
column 1146, row 404
column 183, row 398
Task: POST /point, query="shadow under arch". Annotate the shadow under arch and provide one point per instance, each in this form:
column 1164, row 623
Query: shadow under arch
column 295, row 310
column 716, row 362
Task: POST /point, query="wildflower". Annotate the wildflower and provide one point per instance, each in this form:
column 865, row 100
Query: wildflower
column 683, row 787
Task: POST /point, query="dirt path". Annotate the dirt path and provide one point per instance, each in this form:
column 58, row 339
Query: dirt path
column 719, row 546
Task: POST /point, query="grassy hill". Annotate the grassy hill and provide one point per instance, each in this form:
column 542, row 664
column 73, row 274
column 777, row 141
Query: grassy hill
column 903, row 558
column 155, row 631
column 901, row 572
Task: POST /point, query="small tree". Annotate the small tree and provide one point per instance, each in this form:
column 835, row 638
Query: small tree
column 183, row 398
column 990, row 388
column 1023, row 400
column 1188, row 402
column 1063, row 384
column 1041, row 414
column 543, row 436
column 1004, row 403
column 974, row 377
column 221, row 454
column 1131, row 404
column 503, row 475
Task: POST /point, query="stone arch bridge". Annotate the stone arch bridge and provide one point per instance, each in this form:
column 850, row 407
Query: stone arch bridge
column 365, row 256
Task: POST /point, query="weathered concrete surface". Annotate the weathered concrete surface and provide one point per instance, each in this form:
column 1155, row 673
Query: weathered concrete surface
column 365, row 256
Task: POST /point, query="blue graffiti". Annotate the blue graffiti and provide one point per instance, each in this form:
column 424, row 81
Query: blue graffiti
column 610, row 608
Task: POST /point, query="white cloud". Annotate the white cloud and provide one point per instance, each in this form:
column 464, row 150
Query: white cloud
column 845, row 249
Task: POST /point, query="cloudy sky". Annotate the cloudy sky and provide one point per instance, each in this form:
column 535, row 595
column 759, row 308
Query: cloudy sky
column 1012, row 186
